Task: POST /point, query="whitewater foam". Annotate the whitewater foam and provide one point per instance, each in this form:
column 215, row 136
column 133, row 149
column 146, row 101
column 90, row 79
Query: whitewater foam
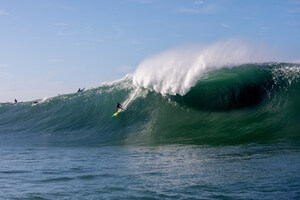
column 133, row 95
column 177, row 70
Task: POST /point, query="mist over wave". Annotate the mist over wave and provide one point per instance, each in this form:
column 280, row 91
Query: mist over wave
column 177, row 70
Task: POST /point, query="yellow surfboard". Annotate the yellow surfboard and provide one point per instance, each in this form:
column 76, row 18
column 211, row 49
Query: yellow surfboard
column 114, row 115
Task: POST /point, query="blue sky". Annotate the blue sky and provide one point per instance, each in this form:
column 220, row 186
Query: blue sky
column 50, row 47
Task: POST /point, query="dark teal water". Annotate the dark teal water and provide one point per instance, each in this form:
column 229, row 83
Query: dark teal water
column 235, row 135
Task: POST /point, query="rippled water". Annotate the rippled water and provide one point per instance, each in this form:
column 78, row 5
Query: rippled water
column 159, row 172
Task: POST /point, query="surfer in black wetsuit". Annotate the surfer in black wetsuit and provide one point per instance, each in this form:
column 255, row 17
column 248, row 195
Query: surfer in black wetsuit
column 119, row 106
column 80, row 90
column 16, row 101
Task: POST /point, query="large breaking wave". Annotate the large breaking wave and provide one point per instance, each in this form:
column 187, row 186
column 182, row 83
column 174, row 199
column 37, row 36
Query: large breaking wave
column 244, row 104
column 198, row 99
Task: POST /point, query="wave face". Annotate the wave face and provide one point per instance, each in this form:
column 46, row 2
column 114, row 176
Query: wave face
column 228, row 105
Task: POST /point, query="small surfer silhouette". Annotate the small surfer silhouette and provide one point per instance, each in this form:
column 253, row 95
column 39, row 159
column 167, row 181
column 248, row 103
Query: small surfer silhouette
column 80, row 90
column 119, row 106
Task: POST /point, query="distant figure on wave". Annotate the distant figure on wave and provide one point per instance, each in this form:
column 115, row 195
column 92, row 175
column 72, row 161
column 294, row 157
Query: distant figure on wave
column 16, row 101
column 80, row 90
column 119, row 106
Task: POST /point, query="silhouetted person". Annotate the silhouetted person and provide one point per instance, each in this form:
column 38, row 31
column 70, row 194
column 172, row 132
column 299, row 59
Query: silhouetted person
column 80, row 90
column 119, row 106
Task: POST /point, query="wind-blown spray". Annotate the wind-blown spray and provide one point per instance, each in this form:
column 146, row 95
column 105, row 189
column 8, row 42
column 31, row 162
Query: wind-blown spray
column 177, row 70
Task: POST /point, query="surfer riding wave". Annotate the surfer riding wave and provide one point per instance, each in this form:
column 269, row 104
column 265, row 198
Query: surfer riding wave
column 119, row 106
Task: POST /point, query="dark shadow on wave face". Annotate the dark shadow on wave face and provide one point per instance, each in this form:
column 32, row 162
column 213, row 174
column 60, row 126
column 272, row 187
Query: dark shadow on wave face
column 233, row 91
column 226, row 99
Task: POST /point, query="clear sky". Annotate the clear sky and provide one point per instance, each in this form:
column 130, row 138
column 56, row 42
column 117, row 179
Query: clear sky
column 49, row 47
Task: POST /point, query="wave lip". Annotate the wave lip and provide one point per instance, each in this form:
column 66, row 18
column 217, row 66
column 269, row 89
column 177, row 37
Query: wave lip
column 177, row 70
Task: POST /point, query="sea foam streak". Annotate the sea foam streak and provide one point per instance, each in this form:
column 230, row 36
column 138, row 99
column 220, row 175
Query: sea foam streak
column 177, row 70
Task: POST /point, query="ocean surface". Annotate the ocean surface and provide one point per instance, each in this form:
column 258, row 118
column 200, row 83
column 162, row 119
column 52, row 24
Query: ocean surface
column 228, row 132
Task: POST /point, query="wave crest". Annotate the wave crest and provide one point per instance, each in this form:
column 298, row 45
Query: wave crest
column 177, row 70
